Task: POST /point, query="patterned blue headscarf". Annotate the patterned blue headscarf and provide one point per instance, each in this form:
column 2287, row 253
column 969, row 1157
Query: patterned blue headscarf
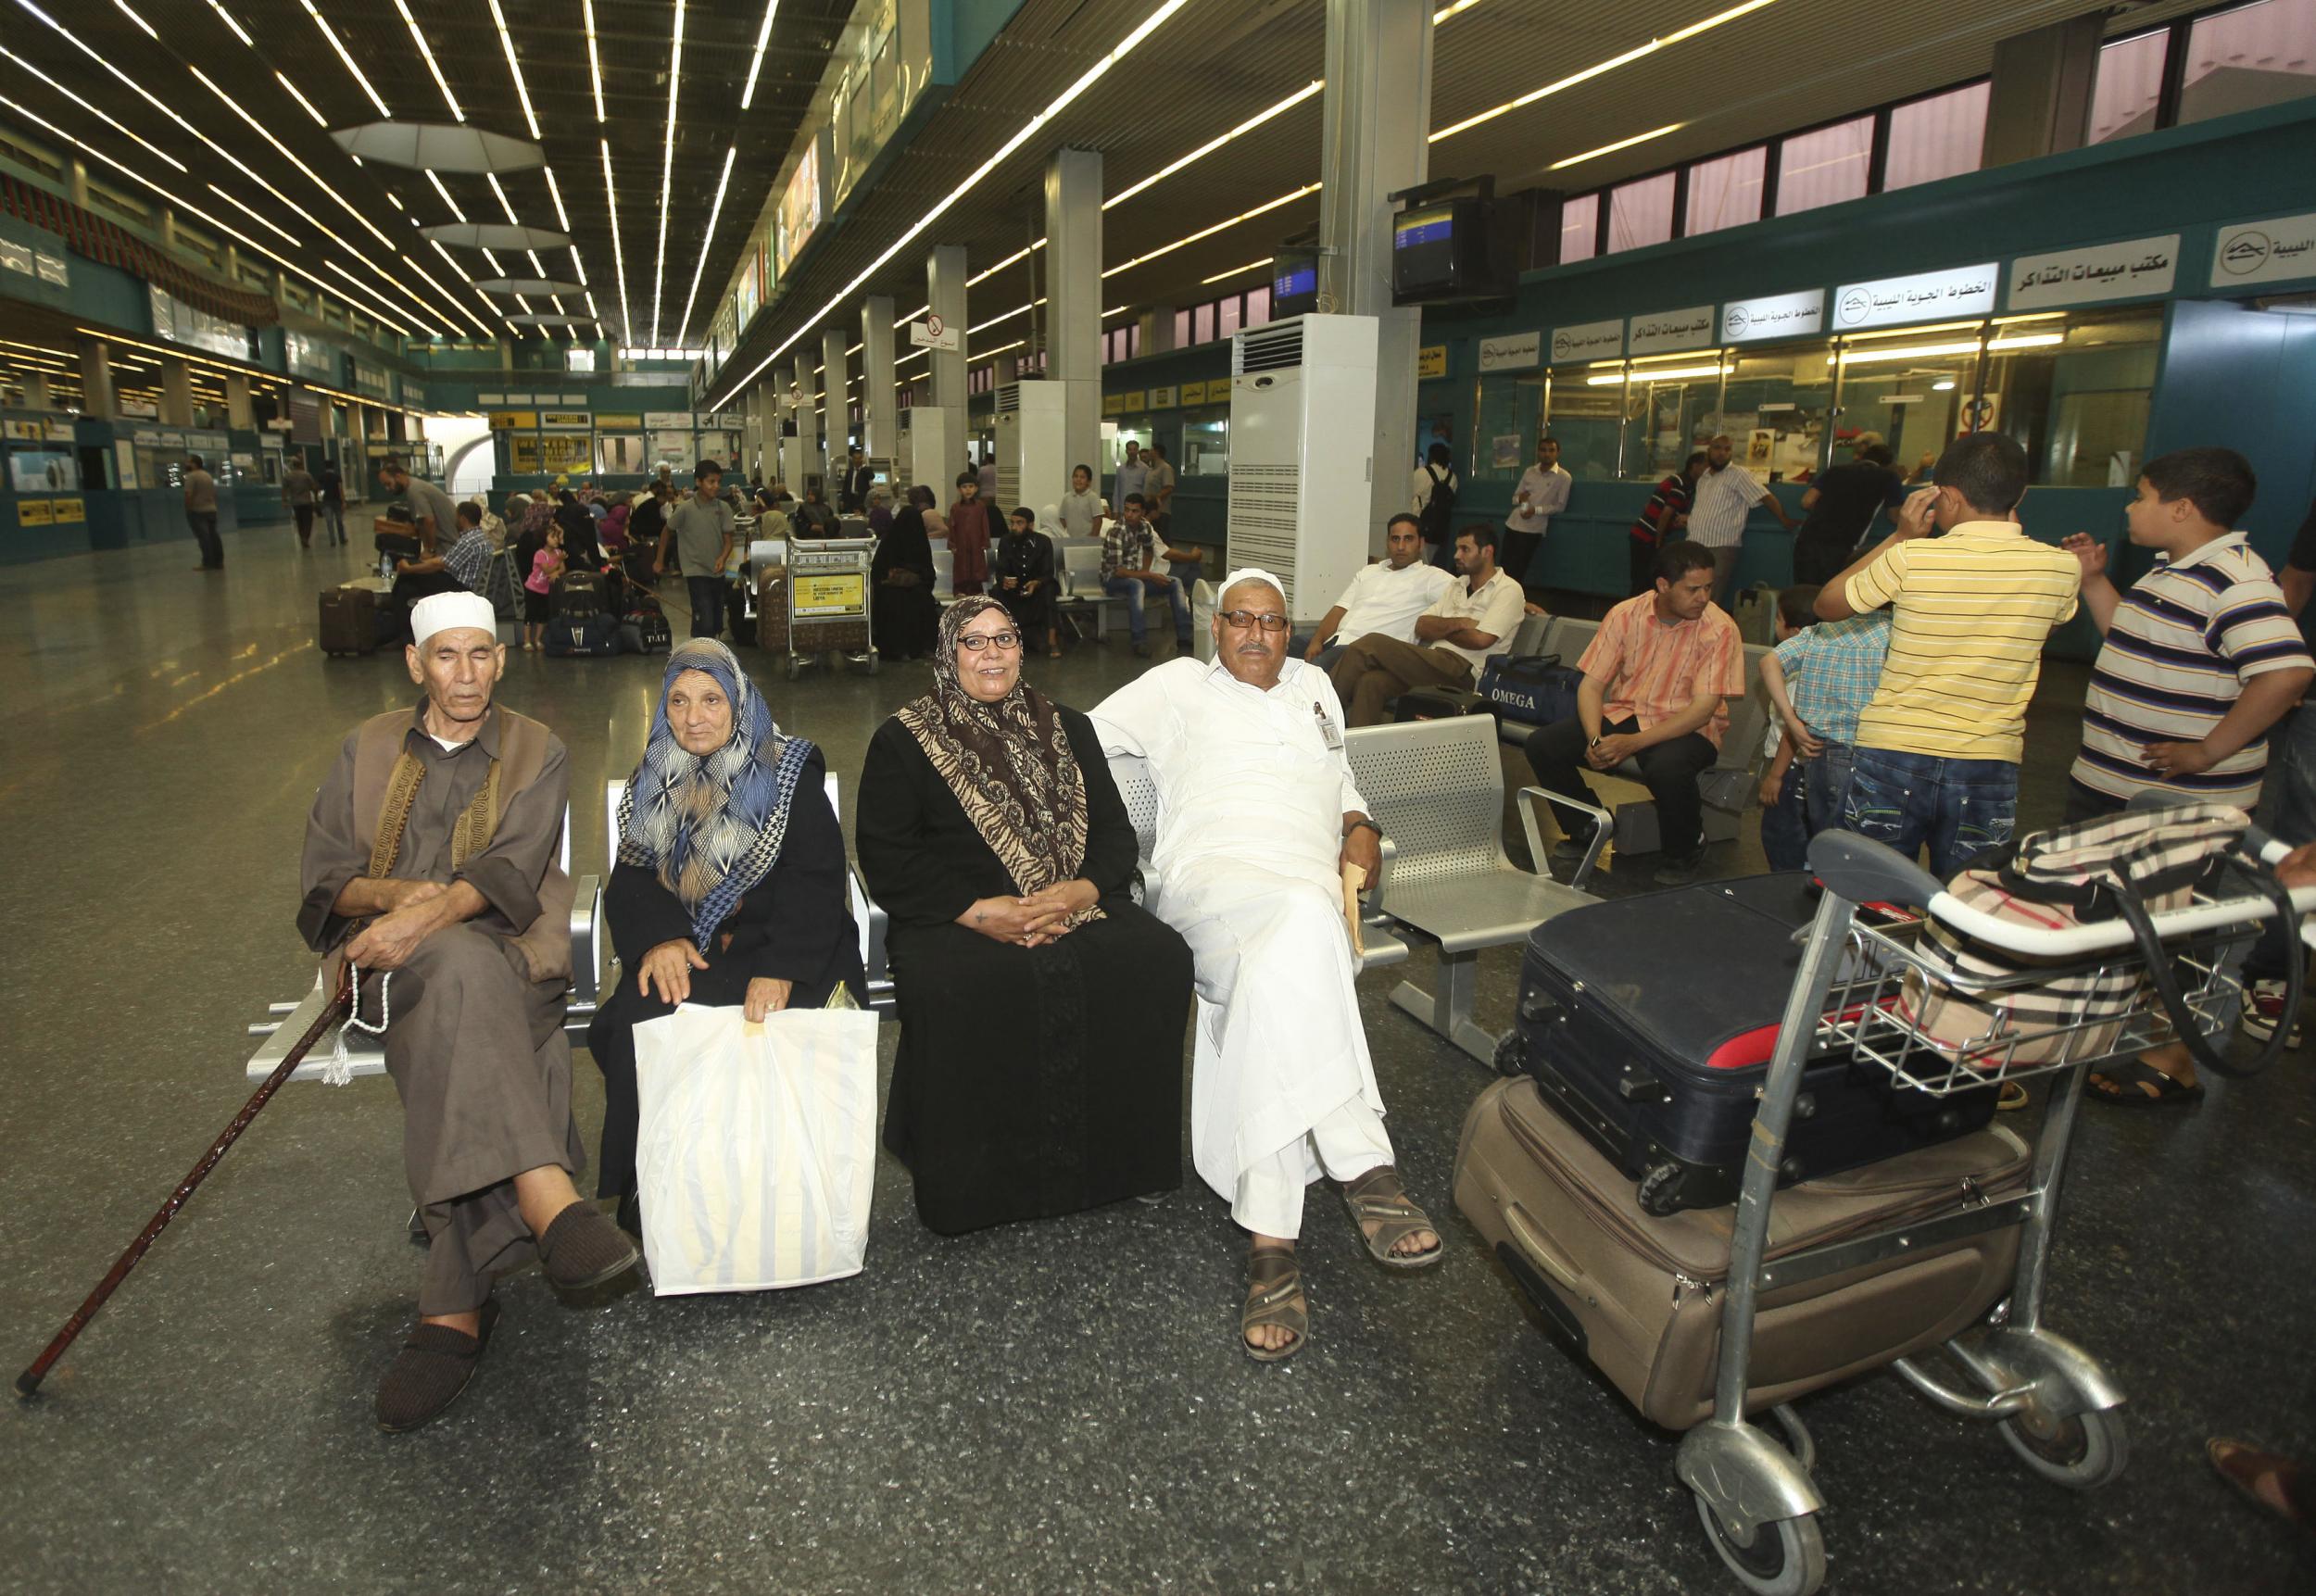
column 711, row 826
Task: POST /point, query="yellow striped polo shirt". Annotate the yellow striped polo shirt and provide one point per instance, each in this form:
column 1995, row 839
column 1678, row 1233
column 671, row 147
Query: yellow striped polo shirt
column 1971, row 613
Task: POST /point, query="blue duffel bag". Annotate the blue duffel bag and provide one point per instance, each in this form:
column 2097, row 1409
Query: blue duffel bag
column 583, row 638
column 1535, row 689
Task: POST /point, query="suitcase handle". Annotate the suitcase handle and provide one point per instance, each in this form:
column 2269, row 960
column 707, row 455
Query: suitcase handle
column 1540, row 1251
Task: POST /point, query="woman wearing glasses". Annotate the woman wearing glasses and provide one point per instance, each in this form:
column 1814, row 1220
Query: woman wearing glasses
column 1042, row 1011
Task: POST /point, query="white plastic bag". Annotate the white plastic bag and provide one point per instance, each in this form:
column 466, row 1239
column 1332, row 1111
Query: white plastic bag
column 757, row 1148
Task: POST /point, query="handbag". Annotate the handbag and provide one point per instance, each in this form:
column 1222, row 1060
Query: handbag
column 1534, row 689
column 756, row 1147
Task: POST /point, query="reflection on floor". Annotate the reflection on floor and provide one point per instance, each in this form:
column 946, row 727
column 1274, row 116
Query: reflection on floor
column 1057, row 1407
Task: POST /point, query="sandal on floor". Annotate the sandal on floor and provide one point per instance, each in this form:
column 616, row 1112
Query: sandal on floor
column 1275, row 1297
column 2011, row 1098
column 2122, row 1085
column 1378, row 1198
column 2248, row 1468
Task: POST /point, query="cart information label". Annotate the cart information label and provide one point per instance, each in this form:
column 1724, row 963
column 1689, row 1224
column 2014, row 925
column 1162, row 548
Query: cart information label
column 829, row 595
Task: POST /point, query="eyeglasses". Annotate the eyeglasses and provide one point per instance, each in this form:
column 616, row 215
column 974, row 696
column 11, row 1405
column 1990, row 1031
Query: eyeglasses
column 1254, row 620
column 972, row 643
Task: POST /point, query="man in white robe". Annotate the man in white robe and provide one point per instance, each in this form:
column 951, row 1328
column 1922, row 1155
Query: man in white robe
column 1259, row 818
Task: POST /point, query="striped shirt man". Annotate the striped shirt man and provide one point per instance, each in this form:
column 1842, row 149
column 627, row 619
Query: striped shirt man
column 1972, row 610
column 2183, row 643
column 1654, row 671
column 1831, row 671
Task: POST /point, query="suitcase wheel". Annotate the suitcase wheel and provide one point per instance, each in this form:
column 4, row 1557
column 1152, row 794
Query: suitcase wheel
column 1511, row 1055
column 1660, row 1189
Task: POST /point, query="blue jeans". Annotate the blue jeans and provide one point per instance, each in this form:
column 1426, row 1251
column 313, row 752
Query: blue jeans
column 1785, row 824
column 1131, row 589
column 1959, row 806
column 707, row 596
column 1826, row 785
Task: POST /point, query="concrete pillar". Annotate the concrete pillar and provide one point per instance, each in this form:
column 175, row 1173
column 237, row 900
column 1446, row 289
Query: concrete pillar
column 76, row 181
column 1157, row 329
column 237, row 403
column 176, row 395
column 835, row 381
column 880, row 411
column 1072, row 289
column 36, row 395
column 1378, row 113
column 807, row 461
column 945, row 292
column 765, row 398
column 2039, row 103
column 169, row 230
column 783, row 415
column 96, row 381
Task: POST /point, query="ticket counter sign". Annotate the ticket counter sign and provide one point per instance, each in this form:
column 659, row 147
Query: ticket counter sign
column 35, row 513
column 565, row 420
column 2278, row 250
column 68, row 511
column 823, row 597
column 2096, row 273
column 1431, row 360
column 1924, row 296
column 1190, row 393
column 1162, row 398
column 514, row 421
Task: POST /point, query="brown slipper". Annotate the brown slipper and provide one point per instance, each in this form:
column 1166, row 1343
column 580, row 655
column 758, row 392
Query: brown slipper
column 582, row 1249
column 1274, row 1297
column 435, row 1363
column 2248, row 1468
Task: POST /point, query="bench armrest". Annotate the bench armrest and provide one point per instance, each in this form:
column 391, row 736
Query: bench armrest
column 587, row 948
column 1389, row 851
column 1601, row 823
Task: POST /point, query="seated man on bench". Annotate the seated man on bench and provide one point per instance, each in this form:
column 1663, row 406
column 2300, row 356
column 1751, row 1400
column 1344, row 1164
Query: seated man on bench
column 430, row 865
column 1659, row 676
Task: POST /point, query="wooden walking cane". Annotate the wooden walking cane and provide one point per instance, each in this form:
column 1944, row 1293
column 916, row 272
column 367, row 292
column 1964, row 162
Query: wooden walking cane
column 28, row 1383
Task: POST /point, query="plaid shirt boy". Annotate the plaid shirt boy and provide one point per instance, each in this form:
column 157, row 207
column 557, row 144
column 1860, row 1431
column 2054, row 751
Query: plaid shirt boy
column 1125, row 548
column 1831, row 669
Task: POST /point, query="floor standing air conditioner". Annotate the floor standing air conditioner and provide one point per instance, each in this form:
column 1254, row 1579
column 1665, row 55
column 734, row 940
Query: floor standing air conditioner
column 1302, row 454
column 1032, row 443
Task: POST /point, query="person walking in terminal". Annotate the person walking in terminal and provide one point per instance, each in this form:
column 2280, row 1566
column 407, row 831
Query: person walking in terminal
column 1839, row 507
column 1659, row 676
column 972, row 528
column 1435, row 487
column 1938, row 747
column 201, row 514
column 302, row 494
column 1664, row 518
column 1041, row 1010
column 1543, row 493
column 728, row 889
column 334, row 504
column 1384, row 599
column 1130, row 552
column 1259, row 824
column 699, row 529
column 1468, row 623
column 430, row 866
column 2201, row 659
column 1023, row 570
column 1725, row 496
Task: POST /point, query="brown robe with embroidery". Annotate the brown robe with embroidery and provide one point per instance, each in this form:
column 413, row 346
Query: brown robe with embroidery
column 474, row 1038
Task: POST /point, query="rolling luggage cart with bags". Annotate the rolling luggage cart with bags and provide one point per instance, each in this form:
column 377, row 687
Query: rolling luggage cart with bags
column 825, row 590
column 1944, row 1249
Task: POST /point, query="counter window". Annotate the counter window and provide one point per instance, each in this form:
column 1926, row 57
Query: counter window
column 1668, row 403
column 1585, row 418
column 1205, row 446
column 2075, row 390
column 1910, row 390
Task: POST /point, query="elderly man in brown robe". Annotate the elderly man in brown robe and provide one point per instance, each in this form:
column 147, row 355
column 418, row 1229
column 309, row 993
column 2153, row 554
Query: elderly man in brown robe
column 431, row 865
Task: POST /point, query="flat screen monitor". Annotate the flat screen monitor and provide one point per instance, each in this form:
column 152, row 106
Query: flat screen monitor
column 1295, row 285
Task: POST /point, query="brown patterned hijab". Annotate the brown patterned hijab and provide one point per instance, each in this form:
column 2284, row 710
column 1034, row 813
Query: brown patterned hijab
column 1009, row 763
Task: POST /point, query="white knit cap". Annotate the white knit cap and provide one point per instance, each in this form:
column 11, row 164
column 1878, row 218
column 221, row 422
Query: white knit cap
column 450, row 611
column 1251, row 573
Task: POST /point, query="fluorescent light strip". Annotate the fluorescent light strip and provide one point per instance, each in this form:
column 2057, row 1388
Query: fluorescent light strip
column 707, row 242
column 1211, row 146
column 1610, row 65
column 427, row 52
column 453, row 203
column 507, row 43
column 913, row 315
column 252, row 216
column 619, row 256
column 974, row 281
column 91, row 109
column 1619, row 145
column 594, row 63
column 1016, row 311
column 351, row 70
column 993, row 353
column 756, row 63
column 1235, row 271
column 301, row 99
column 1456, row 9
column 667, row 165
column 940, row 207
column 227, row 18
column 1660, row 375
column 562, row 217
column 1209, row 231
column 492, row 177
column 122, row 7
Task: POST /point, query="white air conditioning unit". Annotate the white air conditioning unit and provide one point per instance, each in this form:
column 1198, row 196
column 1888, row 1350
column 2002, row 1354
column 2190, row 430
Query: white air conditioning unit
column 1032, row 443
column 1302, row 454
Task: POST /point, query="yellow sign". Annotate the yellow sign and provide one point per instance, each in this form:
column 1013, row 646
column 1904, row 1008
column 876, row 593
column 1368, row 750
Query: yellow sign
column 1162, row 398
column 1196, row 393
column 564, row 418
column 840, row 595
column 68, row 511
column 1113, row 404
column 33, row 512
column 549, row 453
column 1431, row 360
column 513, row 420
column 606, row 422
column 1134, row 399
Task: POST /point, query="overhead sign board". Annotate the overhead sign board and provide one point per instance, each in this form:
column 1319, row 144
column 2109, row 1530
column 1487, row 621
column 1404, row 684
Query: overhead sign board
column 1777, row 316
column 668, row 421
column 1925, row 297
column 1670, row 331
column 564, row 418
column 934, row 334
column 1510, row 351
column 513, row 420
column 2278, row 249
column 1589, row 341
column 2095, row 271
column 1201, row 393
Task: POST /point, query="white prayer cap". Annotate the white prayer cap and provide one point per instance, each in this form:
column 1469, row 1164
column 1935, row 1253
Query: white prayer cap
column 448, row 612
column 1252, row 574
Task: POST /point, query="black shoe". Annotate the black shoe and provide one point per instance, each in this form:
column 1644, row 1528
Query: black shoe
column 583, row 1249
column 1141, row 651
column 1680, row 869
column 1572, row 849
column 630, row 1216
column 434, row 1366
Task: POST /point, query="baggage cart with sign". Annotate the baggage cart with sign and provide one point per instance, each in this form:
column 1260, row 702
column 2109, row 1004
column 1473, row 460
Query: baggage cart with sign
column 824, row 591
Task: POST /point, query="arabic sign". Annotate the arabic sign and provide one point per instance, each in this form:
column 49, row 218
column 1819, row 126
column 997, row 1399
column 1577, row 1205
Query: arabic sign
column 1778, row 316
column 1670, row 331
column 2095, row 271
column 1511, row 352
column 2272, row 251
column 1592, row 341
column 933, row 333
column 1431, row 360
column 1924, row 296
column 670, row 420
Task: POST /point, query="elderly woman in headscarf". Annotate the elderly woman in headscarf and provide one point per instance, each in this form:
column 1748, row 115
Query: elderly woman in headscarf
column 729, row 888
column 880, row 511
column 814, row 518
column 903, row 612
column 1041, row 1010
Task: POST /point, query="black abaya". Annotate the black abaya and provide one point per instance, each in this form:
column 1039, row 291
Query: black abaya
column 1031, row 1081
column 903, row 617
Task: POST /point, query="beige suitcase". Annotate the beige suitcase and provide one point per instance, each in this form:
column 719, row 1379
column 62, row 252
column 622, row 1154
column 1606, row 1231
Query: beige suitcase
column 1642, row 1296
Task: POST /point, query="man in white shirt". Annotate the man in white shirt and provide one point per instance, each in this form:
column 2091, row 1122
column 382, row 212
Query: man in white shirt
column 1724, row 496
column 1384, row 599
column 1259, row 822
column 1081, row 506
column 1133, row 476
column 1470, row 621
column 1543, row 493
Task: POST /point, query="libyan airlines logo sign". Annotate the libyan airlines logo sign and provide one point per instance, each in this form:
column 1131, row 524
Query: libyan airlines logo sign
column 1856, row 305
column 1733, row 325
column 2246, row 253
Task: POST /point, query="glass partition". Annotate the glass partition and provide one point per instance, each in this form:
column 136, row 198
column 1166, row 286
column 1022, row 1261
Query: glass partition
column 1668, row 403
column 1206, row 444
column 2074, row 391
column 1586, row 419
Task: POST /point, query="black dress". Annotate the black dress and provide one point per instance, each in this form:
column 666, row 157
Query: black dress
column 796, row 926
column 1027, row 558
column 1031, row 1081
column 903, row 617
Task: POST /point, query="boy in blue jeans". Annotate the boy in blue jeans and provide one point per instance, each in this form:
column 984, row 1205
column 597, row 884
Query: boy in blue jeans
column 1818, row 678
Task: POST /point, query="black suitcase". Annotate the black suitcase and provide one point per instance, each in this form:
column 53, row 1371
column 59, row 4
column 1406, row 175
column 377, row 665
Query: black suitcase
column 1647, row 1023
column 1437, row 704
column 350, row 621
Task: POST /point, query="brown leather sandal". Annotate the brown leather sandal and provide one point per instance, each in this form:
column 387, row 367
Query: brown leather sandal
column 1376, row 1198
column 1275, row 1297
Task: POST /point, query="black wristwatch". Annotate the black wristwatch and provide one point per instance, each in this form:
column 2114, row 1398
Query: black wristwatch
column 1355, row 824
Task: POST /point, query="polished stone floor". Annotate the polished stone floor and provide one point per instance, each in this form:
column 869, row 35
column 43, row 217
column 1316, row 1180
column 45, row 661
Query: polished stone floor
column 1048, row 1408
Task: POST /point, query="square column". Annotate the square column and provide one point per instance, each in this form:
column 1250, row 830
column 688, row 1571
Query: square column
column 238, row 412
column 880, row 412
column 36, row 395
column 1073, row 308
column 940, row 447
column 835, row 382
column 176, row 393
column 768, row 415
column 806, row 461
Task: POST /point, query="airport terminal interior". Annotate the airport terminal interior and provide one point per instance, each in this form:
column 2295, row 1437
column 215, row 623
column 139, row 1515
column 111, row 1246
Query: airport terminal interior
column 277, row 277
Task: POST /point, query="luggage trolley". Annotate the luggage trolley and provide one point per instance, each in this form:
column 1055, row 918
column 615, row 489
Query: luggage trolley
column 1856, row 987
column 828, row 596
